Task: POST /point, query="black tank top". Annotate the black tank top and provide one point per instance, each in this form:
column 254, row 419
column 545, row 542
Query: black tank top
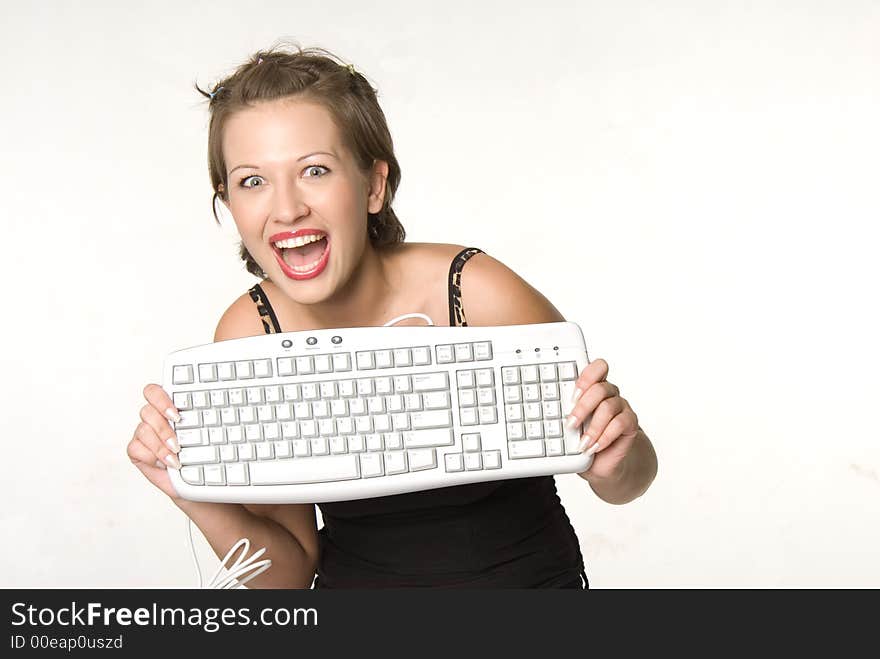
column 509, row 533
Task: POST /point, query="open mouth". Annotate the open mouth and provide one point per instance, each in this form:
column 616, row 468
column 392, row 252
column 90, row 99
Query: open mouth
column 304, row 256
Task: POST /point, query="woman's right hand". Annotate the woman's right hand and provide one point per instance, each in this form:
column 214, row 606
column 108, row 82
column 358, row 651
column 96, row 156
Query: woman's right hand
column 153, row 448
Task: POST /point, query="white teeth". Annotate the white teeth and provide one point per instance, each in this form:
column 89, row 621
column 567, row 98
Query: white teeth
column 305, row 268
column 299, row 241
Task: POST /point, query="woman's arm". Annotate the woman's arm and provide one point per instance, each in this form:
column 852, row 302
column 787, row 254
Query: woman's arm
column 624, row 468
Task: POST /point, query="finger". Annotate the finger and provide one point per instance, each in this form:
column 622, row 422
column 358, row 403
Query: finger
column 594, row 372
column 147, row 435
column 589, row 402
column 601, row 417
column 624, row 424
column 141, row 456
column 159, row 398
column 151, row 416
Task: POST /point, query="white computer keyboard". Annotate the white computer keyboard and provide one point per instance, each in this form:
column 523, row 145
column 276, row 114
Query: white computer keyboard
column 351, row 413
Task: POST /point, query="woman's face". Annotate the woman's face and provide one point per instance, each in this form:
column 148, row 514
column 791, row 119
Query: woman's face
column 288, row 171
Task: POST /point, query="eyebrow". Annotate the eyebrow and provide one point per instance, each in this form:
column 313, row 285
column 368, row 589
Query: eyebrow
column 308, row 155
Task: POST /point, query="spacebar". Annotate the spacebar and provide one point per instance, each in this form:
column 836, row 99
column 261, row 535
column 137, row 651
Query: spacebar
column 305, row 470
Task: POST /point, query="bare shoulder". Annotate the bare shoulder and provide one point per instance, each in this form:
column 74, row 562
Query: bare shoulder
column 493, row 294
column 239, row 320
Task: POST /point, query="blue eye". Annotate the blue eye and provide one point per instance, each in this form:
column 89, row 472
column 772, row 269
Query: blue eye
column 244, row 181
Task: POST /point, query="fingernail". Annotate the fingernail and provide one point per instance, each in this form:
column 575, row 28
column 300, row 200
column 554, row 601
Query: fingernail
column 172, row 461
column 172, row 415
column 576, row 394
column 172, row 444
column 595, row 447
column 571, row 421
column 161, row 464
column 585, row 440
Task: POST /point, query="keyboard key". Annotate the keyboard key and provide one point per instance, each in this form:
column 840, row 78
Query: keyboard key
column 319, row 446
column 315, row 470
column 437, row 400
column 402, row 384
column 200, row 400
column 430, row 382
column 192, row 437
column 423, row 438
column 485, row 378
column 365, row 360
column 264, row 451
column 244, row 370
column 432, row 419
column 182, row 374
column 464, row 352
column 486, row 396
column 488, row 414
column 207, row 372
column 465, row 379
column 534, row 430
column 371, row 465
column 468, row 416
column 453, row 462
column 510, row 375
column 226, row 371
column 421, row 356
column 422, row 458
column 547, row 372
column 473, row 461
column 383, row 385
column 533, row 411
column 384, row 359
column 286, row 367
column 467, row 397
column 236, row 474
column 263, row 368
column 395, row 462
column 550, row 391
column 323, row 364
column 197, row 455
column 402, row 357
column 528, row 374
column 189, row 419
column 182, row 401
column 191, row 475
column 470, row 441
column 553, row 446
column 567, row 371
column 341, row 362
column 445, row 354
column 525, row 449
column 512, row 394
column 218, row 398
column 491, row 459
column 531, row 393
column 482, row 350
column 513, row 412
column 305, row 365
column 515, row 431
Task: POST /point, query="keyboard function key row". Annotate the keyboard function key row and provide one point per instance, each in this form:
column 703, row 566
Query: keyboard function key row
column 393, row 357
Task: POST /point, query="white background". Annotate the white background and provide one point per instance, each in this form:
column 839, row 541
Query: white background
column 694, row 183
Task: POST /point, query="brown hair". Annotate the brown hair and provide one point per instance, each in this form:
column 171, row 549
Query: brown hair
column 316, row 75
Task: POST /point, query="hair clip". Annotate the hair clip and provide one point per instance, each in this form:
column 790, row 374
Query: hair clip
column 350, row 68
column 214, row 93
column 260, row 60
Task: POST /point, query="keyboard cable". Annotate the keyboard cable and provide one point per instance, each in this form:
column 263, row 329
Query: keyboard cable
column 240, row 567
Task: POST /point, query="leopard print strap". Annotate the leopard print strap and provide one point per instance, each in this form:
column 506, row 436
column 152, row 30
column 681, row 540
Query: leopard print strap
column 456, row 309
column 267, row 313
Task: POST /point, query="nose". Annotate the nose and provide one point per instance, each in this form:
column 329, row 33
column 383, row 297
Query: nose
column 288, row 204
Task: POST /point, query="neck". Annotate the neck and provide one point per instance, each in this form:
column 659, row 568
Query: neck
column 363, row 301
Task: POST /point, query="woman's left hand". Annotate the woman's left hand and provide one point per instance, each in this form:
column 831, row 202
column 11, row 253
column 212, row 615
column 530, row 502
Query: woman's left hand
column 611, row 427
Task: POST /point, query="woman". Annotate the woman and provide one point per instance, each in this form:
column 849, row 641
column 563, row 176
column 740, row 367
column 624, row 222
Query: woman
column 298, row 141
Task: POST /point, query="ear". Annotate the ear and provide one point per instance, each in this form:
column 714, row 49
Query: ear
column 222, row 196
column 378, row 180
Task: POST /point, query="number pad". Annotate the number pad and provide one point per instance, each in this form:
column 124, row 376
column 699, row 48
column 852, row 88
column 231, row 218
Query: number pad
column 535, row 396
